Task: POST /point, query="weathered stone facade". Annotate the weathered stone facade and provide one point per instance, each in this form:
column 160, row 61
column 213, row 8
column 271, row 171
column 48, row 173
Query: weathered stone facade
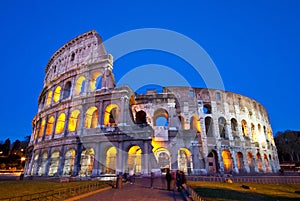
column 87, row 126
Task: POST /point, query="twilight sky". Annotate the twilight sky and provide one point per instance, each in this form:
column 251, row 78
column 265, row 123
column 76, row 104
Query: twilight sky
column 255, row 46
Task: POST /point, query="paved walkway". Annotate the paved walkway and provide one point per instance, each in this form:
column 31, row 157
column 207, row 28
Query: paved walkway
column 140, row 191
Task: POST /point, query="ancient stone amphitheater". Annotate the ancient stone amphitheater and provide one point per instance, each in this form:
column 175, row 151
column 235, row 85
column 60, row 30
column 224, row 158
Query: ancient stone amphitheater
column 88, row 127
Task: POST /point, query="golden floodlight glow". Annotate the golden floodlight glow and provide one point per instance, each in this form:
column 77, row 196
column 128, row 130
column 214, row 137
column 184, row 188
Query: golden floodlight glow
column 91, row 118
column 56, row 96
column 49, row 98
column 78, row 85
column 60, row 124
column 111, row 114
column 50, row 124
column 74, row 120
column 93, row 81
column 23, row 158
column 196, row 123
column 42, row 128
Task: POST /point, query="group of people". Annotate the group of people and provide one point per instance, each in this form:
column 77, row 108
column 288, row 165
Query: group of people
column 177, row 178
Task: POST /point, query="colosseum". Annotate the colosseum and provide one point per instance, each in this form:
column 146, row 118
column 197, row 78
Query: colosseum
column 86, row 126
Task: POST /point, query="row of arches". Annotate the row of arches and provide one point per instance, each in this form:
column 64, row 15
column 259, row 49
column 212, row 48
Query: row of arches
column 254, row 163
column 56, row 125
column 258, row 132
column 73, row 163
column 60, row 93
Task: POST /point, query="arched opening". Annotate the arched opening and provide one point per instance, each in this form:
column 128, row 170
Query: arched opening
column 184, row 160
column 209, row 127
column 141, row 117
column 162, row 156
column 49, row 98
column 234, row 127
column 79, row 85
column 135, row 159
column 60, row 124
column 207, row 108
column 259, row 162
column 91, row 118
column 240, row 161
column 87, row 161
column 54, row 161
column 72, row 56
column 74, row 120
column 212, row 159
column 161, row 118
column 50, row 125
column 42, row 128
column 195, row 123
column 56, row 95
column 244, row 128
column 67, row 90
column 251, row 163
column 227, row 161
column 42, row 170
column 267, row 164
column 254, row 137
column 69, row 162
column 111, row 160
column 222, row 128
column 35, row 164
column 111, row 115
column 96, row 81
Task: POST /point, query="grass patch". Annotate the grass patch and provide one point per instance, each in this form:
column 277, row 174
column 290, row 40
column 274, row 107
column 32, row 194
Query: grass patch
column 234, row 192
column 20, row 188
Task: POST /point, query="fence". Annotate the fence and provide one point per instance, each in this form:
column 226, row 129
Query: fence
column 249, row 179
column 59, row 194
column 192, row 194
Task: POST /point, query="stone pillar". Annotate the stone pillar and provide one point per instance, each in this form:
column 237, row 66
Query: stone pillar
column 67, row 123
column 95, row 171
column 48, row 161
column 77, row 166
column 46, row 124
column 119, row 157
column 146, row 158
column 234, row 160
column 54, row 125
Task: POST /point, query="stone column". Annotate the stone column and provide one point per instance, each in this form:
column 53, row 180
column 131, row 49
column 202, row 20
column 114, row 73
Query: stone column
column 48, row 161
column 46, row 124
column 77, row 166
column 54, row 125
column 67, row 123
column 119, row 157
column 61, row 162
column 145, row 156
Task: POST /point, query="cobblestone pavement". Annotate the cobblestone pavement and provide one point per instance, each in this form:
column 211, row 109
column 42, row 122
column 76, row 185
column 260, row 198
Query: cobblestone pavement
column 139, row 191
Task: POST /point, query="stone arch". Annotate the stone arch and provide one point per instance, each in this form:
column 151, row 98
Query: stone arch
column 251, row 162
column 141, row 117
column 74, row 120
column 69, row 162
column 91, row 117
column 54, row 162
column 111, row 160
column 87, row 161
column 60, row 123
column 163, row 158
column 42, row 127
column 195, row 123
column 96, row 81
column 234, row 127
column 240, row 161
column 56, row 95
column 111, row 115
column 79, row 85
column 227, row 161
column 207, row 108
column 212, row 159
column 161, row 117
column 259, row 162
column 67, row 90
column 135, row 159
column 184, row 160
column 222, row 128
column 50, row 125
column 267, row 164
column 42, row 168
column 49, row 98
column 209, row 127
column 244, row 128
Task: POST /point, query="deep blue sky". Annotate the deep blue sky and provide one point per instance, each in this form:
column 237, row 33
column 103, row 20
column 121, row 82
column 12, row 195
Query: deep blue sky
column 254, row 44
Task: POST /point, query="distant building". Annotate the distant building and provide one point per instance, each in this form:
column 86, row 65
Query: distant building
column 87, row 126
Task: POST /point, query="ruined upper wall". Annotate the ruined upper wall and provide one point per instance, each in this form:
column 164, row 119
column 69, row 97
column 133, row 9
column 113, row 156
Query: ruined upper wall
column 84, row 49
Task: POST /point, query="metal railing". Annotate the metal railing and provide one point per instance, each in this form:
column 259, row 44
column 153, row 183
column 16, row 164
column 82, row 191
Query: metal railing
column 59, row 194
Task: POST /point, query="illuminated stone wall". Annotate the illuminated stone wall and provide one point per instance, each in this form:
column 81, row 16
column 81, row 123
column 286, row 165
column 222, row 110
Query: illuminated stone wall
column 86, row 126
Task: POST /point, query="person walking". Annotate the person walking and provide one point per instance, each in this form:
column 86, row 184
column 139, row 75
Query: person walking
column 169, row 179
column 151, row 179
